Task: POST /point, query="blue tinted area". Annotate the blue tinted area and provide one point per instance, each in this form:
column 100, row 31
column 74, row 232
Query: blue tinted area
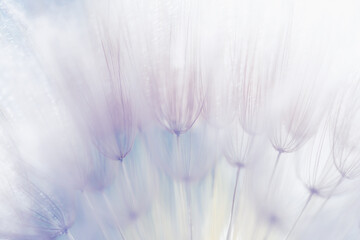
column 10, row 29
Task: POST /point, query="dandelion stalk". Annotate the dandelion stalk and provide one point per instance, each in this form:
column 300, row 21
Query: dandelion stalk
column 268, row 231
column 127, row 180
column 233, row 205
column 299, row 216
column 71, row 237
column 273, row 173
column 188, row 197
column 274, row 170
column 253, row 234
column 330, row 194
column 187, row 186
column 102, row 228
column 109, row 205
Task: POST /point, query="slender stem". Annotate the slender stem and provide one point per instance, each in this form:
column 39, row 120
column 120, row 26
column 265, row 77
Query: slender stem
column 268, row 231
column 330, row 195
column 233, row 205
column 299, row 216
column 188, row 197
column 253, row 235
column 127, row 180
column 274, row 169
column 71, row 237
column 187, row 185
column 102, row 228
column 268, row 191
column 109, row 205
column 273, row 174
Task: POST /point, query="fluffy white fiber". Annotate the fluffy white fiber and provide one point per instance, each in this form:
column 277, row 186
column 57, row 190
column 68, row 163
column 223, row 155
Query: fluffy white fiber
column 179, row 119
